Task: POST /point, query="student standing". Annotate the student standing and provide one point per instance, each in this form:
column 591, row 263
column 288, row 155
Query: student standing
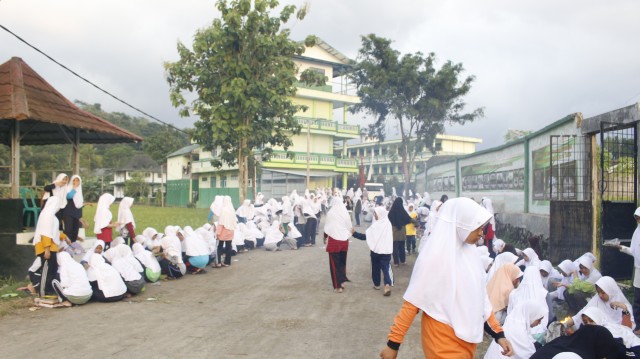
column 225, row 230
column 46, row 241
column 103, row 227
column 399, row 218
column 72, row 212
column 634, row 251
column 379, row 238
column 411, row 230
column 125, row 219
column 447, row 286
column 337, row 230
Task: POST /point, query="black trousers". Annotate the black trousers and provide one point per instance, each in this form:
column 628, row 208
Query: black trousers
column 71, row 227
column 338, row 268
column 227, row 252
column 381, row 263
column 399, row 255
column 46, row 274
column 636, row 306
column 310, row 230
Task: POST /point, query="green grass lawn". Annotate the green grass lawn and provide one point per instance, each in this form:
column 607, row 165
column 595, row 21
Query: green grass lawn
column 149, row 216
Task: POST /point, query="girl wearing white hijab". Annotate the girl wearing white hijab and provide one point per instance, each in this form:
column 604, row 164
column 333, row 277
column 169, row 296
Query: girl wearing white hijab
column 596, row 316
column 549, row 275
column 103, row 227
column 337, row 230
column 517, row 327
column 530, row 258
column 97, row 248
column 72, row 212
column 498, row 246
column 489, row 230
column 245, row 211
column 611, row 301
column 58, row 188
column 215, row 208
column 46, row 242
column 634, row 251
column 149, row 262
column 197, row 250
column 152, row 240
column 129, row 268
column 125, row 218
column 500, row 260
column 379, row 237
column 292, row 236
column 106, row 282
column 73, row 286
column 273, row 236
column 172, row 264
column 530, row 289
column 446, row 284
column 225, row 230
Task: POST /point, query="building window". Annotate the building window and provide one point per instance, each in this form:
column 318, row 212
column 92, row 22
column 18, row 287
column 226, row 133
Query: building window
column 204, row 179
column 213, row 182
column 223, row 181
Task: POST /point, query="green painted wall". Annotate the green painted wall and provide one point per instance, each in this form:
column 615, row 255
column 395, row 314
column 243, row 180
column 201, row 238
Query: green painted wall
column 207, row 195
column 178, row 192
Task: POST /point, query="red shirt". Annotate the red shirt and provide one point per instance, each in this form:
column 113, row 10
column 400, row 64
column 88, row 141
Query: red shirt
column 106, row 234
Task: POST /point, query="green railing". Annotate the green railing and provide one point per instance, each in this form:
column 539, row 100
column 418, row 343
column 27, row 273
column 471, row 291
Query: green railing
column 327, row 125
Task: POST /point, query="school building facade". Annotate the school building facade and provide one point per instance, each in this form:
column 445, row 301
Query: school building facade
column 192, row 180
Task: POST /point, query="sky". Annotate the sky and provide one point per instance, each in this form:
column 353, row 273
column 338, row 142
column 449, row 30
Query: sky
column 534, row 61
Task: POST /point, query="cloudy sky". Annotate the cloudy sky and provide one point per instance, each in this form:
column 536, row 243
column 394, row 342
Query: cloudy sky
column 534, row 61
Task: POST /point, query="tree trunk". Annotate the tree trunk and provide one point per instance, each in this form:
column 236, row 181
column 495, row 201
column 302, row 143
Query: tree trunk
column 405, row 175
column 242, row 169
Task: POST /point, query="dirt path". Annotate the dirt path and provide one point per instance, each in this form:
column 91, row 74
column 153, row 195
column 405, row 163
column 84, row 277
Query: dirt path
column 266, row 305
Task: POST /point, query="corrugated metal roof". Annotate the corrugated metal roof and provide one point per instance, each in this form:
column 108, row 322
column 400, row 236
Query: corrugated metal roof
column 47, row 117
column 184, row 150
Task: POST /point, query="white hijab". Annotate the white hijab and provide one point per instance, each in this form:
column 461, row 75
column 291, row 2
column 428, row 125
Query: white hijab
column 195, row 245
column 87, row 256
column 530, row 288
column 109, row 280
column 73, row 277
column 124, row 212
column 171, row 244
column 498, row 245
column 228, row 214
column 609, row 286
column 78, row 199
column 103, row 214
column 146, row 258
column 635, row 243
column 517, row 329
column 534, row 260
column 216, row 205
column 629, row 339
column 293, row 232
column 488, row 205
column 338, row 223
column 273, row 234
column 60, row 191
column 448, row 272
column 500, row 260
column 48, row 224
column 379, row 234
column 126, row 264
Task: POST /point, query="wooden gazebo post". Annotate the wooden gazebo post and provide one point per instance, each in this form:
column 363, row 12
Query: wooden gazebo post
column 15, row 159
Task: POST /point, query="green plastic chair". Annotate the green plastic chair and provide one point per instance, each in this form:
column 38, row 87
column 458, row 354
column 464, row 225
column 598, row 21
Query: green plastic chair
column 29, row 206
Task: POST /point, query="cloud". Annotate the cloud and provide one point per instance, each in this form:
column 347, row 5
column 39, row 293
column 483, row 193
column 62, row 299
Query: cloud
column 534, row 62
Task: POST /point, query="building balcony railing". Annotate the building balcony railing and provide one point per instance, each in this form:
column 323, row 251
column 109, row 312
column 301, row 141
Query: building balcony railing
column 327, row 125
column 423, row 156
column 280, row 157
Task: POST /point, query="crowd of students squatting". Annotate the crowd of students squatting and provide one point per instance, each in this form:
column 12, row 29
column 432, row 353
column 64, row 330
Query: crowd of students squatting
column 465, row 282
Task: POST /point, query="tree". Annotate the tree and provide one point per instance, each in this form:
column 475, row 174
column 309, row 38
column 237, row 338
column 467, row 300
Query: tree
column 159, row 145
column 136, row 187
column 410, row 90
column 513, row 135
column 241, row 69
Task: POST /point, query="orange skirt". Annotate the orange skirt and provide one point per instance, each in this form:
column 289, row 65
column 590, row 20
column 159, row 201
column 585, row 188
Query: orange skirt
column 439, row 341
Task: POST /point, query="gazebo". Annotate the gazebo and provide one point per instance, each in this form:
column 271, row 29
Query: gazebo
column 32, row 112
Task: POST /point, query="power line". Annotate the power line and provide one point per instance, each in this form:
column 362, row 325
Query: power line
column 91, row 83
